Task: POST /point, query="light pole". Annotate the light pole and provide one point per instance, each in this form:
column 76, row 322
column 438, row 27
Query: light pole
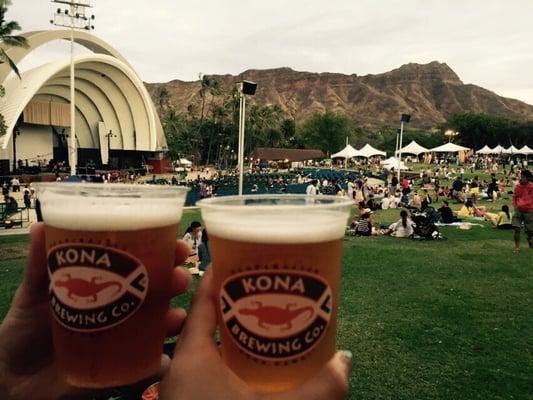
column 405, row 119
column 244, row 88
column 73, row 16
column 16, row 132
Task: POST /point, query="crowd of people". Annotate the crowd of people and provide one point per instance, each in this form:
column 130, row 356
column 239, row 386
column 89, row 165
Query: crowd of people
column 423, row 192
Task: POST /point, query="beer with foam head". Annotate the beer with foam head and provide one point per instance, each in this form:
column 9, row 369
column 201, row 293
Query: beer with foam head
column 110, row 251
column 276, row 262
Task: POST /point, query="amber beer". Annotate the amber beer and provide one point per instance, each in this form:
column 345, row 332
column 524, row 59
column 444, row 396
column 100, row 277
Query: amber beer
column 276, row 263
column 110, row 252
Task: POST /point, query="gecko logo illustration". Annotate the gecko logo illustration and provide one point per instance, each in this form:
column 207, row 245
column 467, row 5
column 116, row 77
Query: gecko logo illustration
column 93, row 288
column 276, row 315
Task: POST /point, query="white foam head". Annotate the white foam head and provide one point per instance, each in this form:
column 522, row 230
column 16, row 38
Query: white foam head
column 277, row 218
column 110, row 207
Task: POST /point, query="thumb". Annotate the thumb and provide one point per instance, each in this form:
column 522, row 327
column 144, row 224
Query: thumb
column 34, row 287
column 331, row 382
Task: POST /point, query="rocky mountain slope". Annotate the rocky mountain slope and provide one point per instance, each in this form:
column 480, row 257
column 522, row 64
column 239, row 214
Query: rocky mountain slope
column 430, row 92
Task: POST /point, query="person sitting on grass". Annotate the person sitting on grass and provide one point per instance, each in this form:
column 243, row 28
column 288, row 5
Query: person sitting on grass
column 470, row 210
column 446, row 214
column 385, row 202
column 193, row 236
column 371, row 203
column 500, row 220
column 204, row 252
column 363, row 226
column 394, row 200
column 492, row 190
column 403, row 228
column 474, row 188
column 416, row 201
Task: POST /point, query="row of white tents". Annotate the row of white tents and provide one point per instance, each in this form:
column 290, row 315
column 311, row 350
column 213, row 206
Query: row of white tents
column 366, row 151
column 416, row 149
column 412, row 148
column 525, row 150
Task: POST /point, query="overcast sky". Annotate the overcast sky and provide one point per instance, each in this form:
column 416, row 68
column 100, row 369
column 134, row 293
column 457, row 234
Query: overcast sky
column 487, row 42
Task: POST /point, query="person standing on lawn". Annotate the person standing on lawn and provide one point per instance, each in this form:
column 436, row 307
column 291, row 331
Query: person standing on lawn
column 523, row 205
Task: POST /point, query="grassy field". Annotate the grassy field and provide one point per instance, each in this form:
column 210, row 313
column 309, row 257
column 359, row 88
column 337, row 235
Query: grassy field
column 450, row 319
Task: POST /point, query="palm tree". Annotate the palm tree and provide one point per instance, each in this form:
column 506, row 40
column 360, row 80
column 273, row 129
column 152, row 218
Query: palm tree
column 163, row 99
column 7, row 38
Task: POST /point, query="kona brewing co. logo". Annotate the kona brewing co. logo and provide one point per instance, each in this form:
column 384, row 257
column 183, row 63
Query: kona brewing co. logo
column 93, row 288
column 276, row 315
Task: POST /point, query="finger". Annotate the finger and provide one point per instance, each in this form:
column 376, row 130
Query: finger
column 181, row 280
column 202, row 320
column 330, row 383
column 165, row 364
column 34, row 286
column 174, row 321
column 182, row 252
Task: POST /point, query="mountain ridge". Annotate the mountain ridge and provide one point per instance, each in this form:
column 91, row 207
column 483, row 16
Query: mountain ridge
column 430, row 92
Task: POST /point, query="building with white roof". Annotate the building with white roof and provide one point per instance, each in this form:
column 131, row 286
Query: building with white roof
column 113, row 108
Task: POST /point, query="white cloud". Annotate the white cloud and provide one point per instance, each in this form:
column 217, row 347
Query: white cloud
column 487, row 42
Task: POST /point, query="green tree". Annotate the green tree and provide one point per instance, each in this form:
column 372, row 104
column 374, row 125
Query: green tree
column 163, row 99
column 7, row 38
column 177, row 132
column 477, row 130
column 327, row 132
column 263, row 128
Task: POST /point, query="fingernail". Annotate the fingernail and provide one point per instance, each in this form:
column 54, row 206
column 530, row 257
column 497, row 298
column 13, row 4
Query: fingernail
column 346, row 355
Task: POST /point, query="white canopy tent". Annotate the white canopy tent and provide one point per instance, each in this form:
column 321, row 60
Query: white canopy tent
column 485, row 150
column 369, row 151
column 526, row 150
column 498, row 150
column 184, row 161
column 511, row 150
column 347, row 152
column 392, row 162
column 413, row 148
column 449, row 148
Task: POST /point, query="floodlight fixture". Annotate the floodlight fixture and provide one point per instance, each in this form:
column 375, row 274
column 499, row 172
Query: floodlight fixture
column 405, row 118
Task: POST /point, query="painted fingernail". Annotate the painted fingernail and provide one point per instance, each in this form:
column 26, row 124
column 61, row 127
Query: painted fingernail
column 346, row 355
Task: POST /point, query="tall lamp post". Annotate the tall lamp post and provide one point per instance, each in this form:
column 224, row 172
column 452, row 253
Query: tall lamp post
column 405, row 119
column 244, row 88
column 73, row 16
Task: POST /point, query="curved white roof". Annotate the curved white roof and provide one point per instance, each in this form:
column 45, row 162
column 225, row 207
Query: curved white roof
column 36, row 39
column 107, row 90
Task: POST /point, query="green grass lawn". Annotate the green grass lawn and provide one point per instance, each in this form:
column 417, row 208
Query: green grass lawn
column 450, row 319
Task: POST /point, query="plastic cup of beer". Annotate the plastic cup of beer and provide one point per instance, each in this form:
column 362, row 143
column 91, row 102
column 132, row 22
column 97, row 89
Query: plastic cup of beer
column 110, row 251
column 276, row 262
